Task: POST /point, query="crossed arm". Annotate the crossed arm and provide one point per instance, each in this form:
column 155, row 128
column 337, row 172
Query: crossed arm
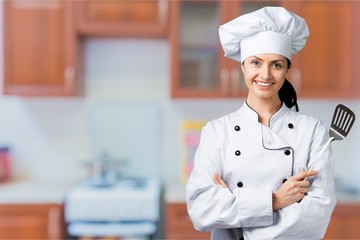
column 291, row 191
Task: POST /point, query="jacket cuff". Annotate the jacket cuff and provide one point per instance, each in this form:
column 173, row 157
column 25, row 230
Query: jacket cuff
column 255, row 206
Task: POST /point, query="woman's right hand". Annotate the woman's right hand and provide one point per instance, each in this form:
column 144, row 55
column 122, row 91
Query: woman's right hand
column 293, row 190
column 219, row 181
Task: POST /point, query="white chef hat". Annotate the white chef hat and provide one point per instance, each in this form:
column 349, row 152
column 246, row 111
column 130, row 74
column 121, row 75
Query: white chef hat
column 267, row 30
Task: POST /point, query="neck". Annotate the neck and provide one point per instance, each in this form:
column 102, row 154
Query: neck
column 265, row 108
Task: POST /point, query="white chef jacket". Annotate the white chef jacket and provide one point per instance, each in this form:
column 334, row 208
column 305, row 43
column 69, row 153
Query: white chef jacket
column 254, row 160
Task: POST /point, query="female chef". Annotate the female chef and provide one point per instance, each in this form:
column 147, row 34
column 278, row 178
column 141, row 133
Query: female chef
column 248, row 180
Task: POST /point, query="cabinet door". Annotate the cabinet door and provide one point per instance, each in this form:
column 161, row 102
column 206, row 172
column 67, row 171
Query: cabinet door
column 344, row 223
column 327, row 66
column 199, row 68
column 140, row 18
column 195, row 48
column 31, row 221
column 179, row 225
column 39, row 48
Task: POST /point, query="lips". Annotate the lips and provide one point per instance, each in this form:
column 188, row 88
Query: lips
column 264, row 84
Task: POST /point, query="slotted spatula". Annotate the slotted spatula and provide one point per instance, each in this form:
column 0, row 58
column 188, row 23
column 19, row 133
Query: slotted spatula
column 341, row 123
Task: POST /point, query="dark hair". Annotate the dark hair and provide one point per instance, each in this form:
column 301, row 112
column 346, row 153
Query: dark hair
column 287, row 93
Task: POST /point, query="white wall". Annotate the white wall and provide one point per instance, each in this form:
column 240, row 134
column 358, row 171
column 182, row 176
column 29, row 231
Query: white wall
column 51, row 137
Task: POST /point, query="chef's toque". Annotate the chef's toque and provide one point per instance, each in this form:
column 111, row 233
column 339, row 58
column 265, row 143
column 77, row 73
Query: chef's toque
column 268, row 30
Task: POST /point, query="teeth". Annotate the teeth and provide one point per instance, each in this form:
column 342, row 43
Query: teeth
column 264, row 84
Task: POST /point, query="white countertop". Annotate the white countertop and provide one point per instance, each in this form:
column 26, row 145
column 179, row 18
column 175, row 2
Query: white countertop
column 175, row 192
column 53, row 191
column 29, row 191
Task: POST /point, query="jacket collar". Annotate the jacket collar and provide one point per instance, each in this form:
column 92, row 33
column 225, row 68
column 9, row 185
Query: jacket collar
column 270, row 138
column 251, row 115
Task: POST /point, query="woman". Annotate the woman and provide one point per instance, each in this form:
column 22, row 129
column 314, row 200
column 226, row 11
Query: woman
column 248, row 180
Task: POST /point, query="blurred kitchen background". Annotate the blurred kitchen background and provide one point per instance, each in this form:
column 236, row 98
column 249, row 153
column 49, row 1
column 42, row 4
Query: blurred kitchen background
column 102, row 102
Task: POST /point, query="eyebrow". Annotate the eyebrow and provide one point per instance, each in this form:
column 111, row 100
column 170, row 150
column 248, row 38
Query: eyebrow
column 273, row 61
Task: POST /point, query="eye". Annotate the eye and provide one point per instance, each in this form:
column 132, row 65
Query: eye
column 255, row 63
column 277, row 65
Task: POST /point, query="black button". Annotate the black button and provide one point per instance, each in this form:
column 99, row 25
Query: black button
column 284, row 180
column 240, row 184
column 291, row 126
column 237, row 153
column 241, row 238
column 237, row 128
column 287, row 152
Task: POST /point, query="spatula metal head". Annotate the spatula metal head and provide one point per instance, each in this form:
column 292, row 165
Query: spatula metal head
column 341, row 123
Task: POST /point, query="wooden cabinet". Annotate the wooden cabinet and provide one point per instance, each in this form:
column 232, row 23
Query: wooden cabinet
column 326, row 67
column 39, row 49
column 31, row 221
column 125, row 18
column 345, row 222
column 42, row 39
column 178, row 224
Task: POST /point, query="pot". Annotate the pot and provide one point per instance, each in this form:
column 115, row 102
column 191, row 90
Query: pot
column 103, row 171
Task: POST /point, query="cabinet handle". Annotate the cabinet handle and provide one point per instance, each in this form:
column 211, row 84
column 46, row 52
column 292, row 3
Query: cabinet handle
column 235, row 80
column 224, row 81
column 295, row 78
column 163, row 6
column 36, row 4
column 69, row 80
column 54, row 223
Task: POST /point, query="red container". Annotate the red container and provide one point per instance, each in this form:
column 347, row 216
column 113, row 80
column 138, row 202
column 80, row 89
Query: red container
column 4, row 163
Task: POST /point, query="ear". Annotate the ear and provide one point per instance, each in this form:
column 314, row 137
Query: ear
column 288, row 69
column 242, row 67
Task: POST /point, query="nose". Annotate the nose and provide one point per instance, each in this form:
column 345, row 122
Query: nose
column 265, row 72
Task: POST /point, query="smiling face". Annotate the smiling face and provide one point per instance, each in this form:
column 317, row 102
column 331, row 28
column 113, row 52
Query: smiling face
column 264, row 75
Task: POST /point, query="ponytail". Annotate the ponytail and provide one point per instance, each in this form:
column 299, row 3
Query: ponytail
column 288, row 96
column 287, row 93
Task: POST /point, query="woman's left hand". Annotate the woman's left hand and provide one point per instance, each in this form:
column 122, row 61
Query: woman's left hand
column 292, row 190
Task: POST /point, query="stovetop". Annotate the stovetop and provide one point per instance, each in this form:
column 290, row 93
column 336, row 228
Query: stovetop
column 126, row 200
